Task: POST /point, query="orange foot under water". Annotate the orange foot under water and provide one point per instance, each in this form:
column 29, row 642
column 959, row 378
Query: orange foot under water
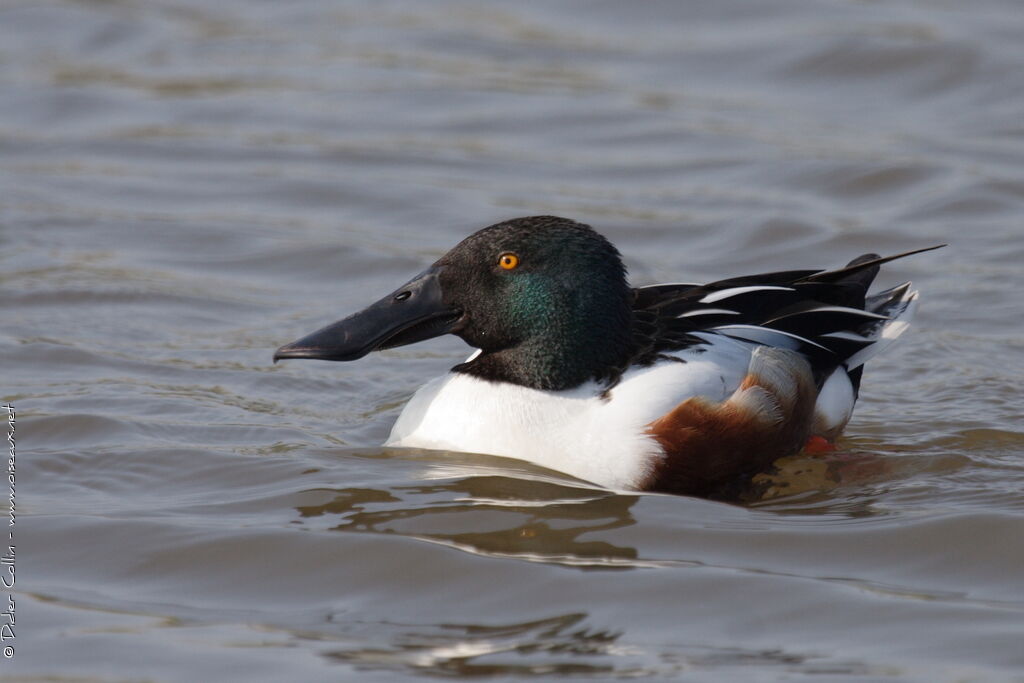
column 819, row 445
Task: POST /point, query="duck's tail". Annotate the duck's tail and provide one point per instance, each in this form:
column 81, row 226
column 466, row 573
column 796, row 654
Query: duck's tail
column 826, row 315
column 897, row 305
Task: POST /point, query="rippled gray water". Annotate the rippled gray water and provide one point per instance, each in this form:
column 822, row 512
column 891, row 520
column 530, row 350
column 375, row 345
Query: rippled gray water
column 186, row 185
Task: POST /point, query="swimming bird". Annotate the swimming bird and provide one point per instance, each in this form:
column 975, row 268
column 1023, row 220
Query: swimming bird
column 681, row 388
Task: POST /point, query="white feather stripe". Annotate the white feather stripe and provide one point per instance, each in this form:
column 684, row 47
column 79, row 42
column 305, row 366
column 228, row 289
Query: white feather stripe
column 850, row 336
column 767, row 336
column 673, row 284
column 707, row 311
column 838, row 309
column 736, row 291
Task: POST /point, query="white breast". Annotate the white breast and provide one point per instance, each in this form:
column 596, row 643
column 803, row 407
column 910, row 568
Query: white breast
column 602, row 440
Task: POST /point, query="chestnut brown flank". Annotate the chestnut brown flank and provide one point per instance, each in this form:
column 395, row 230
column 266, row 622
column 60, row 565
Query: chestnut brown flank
column 712, row 449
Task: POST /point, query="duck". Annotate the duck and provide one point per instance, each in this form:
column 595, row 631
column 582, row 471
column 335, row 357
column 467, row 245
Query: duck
column 681, row 388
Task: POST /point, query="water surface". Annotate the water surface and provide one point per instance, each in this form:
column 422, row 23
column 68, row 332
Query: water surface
column 186, row 185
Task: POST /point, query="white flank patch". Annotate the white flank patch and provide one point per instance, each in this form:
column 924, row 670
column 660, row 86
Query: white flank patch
column 835, row 402
column 736, row 291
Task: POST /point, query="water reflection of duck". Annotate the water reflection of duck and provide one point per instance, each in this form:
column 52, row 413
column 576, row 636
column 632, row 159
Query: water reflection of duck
column 681, row 388
column 528, row 519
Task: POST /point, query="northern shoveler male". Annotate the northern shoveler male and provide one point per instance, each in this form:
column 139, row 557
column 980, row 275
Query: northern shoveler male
column 680, row 388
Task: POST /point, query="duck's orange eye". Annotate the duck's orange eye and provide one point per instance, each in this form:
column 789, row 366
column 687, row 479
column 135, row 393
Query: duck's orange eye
column 508, row 260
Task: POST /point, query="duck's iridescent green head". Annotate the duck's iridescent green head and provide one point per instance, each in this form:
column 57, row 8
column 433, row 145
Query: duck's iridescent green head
column 544, row 298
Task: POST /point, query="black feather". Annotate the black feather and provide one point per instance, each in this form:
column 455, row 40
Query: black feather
column 810, row 304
